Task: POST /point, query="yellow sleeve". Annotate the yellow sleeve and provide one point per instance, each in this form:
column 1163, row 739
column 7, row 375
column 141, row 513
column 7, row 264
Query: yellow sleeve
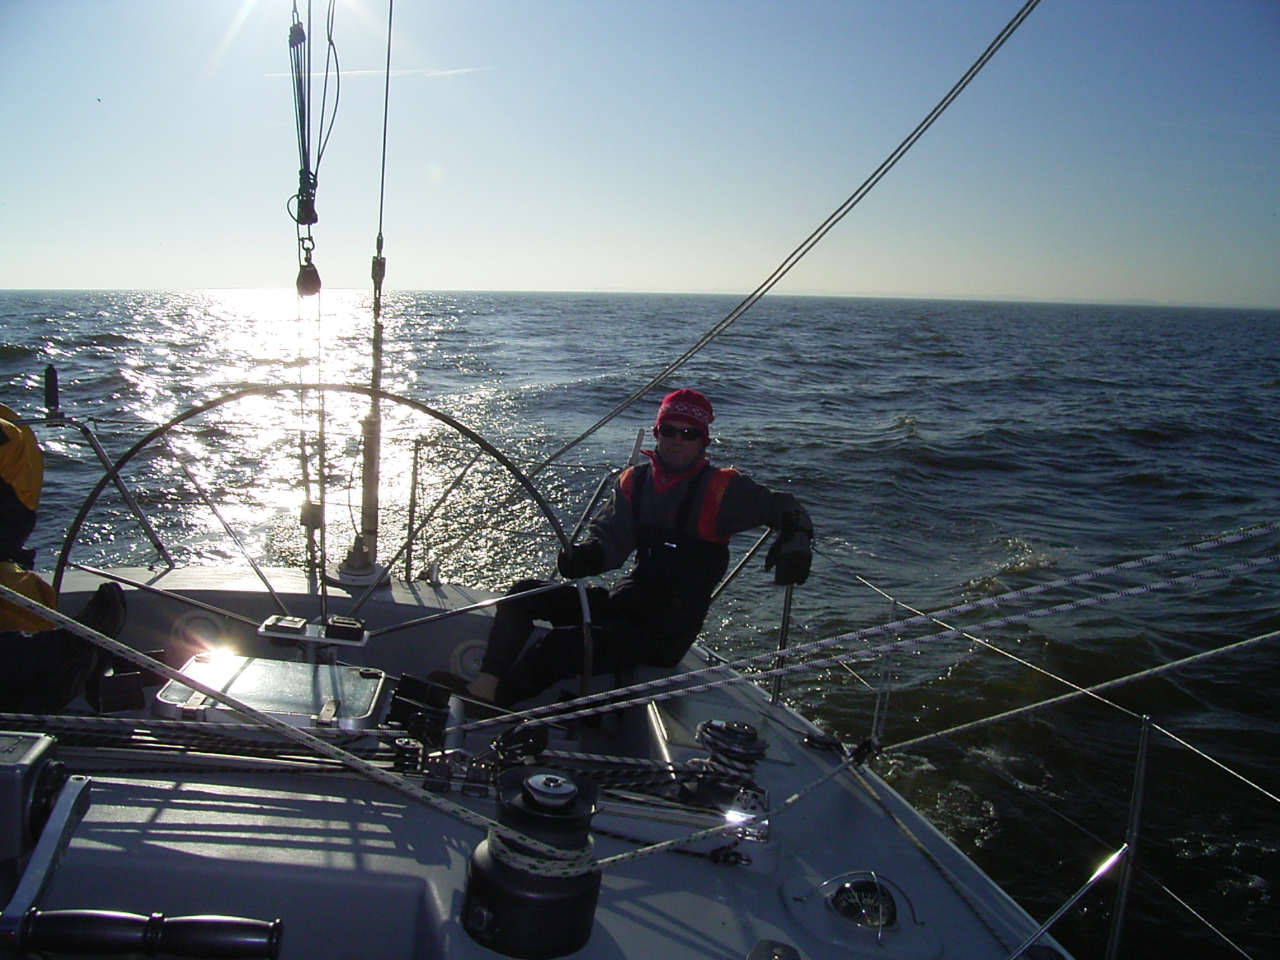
column 21, row 463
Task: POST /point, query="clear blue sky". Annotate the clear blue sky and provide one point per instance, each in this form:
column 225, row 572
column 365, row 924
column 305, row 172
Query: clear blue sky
column 1113, row 151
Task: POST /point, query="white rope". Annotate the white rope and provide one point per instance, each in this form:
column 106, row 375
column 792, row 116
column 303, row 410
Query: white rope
column 1084, row 691
column 572, row 862
column 1093, row 692
column 658, row 690
column 315, row 744
column 566, row 862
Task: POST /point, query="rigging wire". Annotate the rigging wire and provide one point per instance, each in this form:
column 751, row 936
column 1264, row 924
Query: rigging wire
column 945, row 736
column 379, row 270
column 300, row 60
column 1078, row 691
column 1093, row 692
column 304, row 212
column 926, row 619
column 796, row 255
column 310, row 156
column 330, row 66
column 365, row 548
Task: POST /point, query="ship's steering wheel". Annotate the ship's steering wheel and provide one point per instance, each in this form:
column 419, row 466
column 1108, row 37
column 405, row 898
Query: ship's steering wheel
column 73, row 532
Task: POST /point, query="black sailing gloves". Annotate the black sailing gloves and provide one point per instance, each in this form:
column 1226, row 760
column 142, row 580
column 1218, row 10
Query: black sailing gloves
column 793, row 565
column 580, row 560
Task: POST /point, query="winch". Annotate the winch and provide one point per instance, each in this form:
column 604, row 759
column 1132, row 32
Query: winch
column 513, row 907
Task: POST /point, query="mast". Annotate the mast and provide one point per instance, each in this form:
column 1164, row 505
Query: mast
column 361, row 562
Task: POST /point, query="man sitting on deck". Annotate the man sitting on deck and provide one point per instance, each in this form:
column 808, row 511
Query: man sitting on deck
column 677, row 513
column 44, row 668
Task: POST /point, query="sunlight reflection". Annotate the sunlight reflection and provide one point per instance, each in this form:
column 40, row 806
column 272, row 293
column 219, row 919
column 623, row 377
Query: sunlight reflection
column 259, row 458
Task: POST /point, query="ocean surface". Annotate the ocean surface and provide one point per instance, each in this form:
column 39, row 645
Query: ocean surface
column 949, row 452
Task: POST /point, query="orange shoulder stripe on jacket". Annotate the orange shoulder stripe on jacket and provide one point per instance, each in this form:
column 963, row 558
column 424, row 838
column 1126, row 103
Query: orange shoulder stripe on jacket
column 711, row 500
column 626, row 480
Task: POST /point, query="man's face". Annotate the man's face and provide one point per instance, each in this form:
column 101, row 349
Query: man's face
column 678, row 451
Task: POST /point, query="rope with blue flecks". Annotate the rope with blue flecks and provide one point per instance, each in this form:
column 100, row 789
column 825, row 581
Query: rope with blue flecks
column 683, row 684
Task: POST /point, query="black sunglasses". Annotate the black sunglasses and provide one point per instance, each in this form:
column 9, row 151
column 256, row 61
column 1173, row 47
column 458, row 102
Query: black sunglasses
column 686, row 433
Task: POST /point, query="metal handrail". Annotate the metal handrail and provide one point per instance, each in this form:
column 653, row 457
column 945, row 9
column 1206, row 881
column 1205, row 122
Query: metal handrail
column 755, row 548
column 782, row 642
column 1131, row 840
column 1071, row 902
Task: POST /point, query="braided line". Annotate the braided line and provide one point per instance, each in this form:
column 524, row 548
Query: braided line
column 615, row 699
column 315, row 744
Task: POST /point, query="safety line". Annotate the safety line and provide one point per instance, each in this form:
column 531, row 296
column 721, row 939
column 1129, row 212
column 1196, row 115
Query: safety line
column 386, row 110
column 610, row 699
column 1093, row 691
column 1086, row 691
column 1196, row 913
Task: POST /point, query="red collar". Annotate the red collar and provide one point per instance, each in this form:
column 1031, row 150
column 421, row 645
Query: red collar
column 664, row 479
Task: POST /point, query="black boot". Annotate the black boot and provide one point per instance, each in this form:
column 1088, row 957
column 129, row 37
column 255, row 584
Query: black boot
column 105, row 612
column 82, row 661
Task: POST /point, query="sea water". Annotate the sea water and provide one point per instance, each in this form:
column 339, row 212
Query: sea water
column 948, row 452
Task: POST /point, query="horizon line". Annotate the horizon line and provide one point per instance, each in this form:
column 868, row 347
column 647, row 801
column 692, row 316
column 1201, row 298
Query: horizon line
column 940, row 298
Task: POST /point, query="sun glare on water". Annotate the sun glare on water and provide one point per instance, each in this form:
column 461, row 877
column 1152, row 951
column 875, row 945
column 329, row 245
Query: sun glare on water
column 236, row 476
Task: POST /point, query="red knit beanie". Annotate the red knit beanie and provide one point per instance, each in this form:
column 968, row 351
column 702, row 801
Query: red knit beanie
column 689, row 406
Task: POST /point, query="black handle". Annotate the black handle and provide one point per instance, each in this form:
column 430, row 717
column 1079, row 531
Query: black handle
column 51, row 389
column 105, row 931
